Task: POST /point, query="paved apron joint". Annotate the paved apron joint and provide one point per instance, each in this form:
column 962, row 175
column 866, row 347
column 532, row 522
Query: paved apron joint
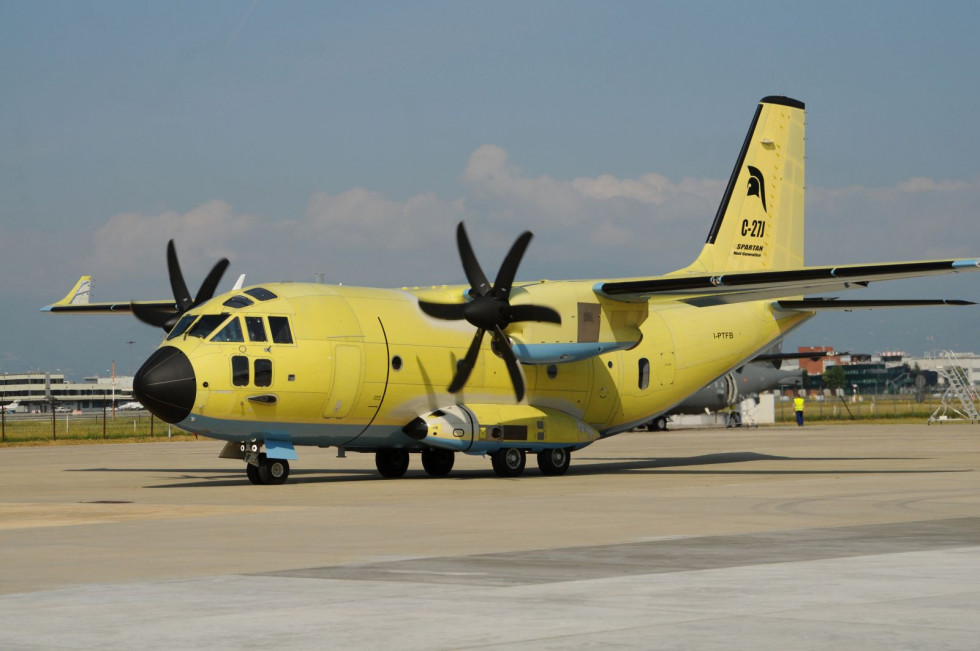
column 661, row 556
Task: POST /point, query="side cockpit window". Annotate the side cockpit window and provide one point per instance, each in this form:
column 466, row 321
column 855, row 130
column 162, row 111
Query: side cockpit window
column 231, row 332
column 281, row 334
column 256, row 328
column 182, row 326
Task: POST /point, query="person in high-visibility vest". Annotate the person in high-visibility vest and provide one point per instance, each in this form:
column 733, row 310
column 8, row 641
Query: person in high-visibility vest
column 798, row 408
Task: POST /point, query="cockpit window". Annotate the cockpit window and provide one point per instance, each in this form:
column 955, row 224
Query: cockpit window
column 281, row 334
column 256, row 328
column 261, row 293
column 231, row 332
column 206, row 325
column 238, row 301
column 182, row 325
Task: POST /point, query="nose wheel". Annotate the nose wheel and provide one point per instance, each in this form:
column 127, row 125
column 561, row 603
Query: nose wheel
column 267, row 471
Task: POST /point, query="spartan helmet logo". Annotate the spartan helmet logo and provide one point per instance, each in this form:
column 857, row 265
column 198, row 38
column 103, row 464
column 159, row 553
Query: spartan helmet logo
column 757, row 186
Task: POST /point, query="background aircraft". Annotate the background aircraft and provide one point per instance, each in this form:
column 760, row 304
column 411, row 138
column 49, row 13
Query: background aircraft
column 746, row 381
column 11, row 407
column 763, row 373
column 504, row 368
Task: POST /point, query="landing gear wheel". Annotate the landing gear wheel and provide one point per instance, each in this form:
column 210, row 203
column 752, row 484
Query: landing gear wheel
column 273, row 471
column 391, row 463
column 253, row 473
column 554, row 462
column 658, row 424
column 437, row 462
column 509, row 462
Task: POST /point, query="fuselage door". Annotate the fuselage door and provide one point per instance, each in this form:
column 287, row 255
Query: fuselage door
column 346, row 362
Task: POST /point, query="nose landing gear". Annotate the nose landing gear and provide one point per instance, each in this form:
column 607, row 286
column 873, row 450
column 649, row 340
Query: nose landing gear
column 259, row 468
column 267, row 471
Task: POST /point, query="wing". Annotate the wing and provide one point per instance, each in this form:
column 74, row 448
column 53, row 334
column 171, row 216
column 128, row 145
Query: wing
column 77, row 300
column 703, row 291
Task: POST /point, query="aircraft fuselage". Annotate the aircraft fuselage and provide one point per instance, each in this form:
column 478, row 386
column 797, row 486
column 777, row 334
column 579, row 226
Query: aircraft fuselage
column 364, row 362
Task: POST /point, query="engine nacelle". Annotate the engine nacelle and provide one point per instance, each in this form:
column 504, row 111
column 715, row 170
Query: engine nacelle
column 482, row 429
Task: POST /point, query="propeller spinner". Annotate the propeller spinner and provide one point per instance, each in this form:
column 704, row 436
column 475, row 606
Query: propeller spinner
column 490, row 310
column 167, row 319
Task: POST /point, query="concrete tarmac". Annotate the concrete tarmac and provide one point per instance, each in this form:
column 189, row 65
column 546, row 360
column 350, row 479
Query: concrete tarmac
column 853, row 537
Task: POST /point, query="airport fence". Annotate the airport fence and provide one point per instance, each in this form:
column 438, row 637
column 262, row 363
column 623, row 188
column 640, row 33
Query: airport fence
column 141, row 425
column 85, row 426
column 864, row 408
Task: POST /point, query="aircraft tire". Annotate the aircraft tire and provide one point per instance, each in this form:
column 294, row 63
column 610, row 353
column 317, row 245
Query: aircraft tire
column 273, row 471
column 438, row 463
column 658, row 424
column 391, row 462
column 253, row 473
column 509, row 462
column 554, row 462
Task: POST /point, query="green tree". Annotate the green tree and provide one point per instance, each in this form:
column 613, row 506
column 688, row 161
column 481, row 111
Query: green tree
column 834, row 377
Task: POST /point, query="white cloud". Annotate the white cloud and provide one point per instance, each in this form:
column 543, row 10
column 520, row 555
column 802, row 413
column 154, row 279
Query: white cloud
column 921, row 184
column 613, row 226
column 917, row 218
column 132, row 243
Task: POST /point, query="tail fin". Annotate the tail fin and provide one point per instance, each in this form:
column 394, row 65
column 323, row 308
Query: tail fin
column 759, row 224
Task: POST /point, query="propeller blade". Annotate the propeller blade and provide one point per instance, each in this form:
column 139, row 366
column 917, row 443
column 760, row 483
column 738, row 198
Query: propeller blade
column 153, row 316
column 465, row 367
column 211, row 282
column 505, row 277
column 447, row 311
column 181, row 294
column 479, row 284
column 490, row 310
column 513, row 366
column 534, row 313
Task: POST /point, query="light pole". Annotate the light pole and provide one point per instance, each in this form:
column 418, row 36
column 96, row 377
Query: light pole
column 131, row 342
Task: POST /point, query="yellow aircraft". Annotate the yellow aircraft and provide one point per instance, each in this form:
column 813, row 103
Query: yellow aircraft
column 273, row 366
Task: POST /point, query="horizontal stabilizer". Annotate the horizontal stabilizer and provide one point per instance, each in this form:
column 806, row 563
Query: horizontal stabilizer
column 751, row 286
column 810, row 304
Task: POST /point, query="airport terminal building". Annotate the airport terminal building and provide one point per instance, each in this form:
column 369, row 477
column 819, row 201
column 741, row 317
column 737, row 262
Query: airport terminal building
column 41, row 392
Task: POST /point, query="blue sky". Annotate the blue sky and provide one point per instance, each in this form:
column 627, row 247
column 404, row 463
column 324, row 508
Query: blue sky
column 349, row 138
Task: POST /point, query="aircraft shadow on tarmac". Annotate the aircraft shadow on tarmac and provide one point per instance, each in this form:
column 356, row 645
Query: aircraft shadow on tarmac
column 586, row 465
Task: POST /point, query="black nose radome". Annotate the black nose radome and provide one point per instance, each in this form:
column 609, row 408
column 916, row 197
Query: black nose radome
column 165, row 384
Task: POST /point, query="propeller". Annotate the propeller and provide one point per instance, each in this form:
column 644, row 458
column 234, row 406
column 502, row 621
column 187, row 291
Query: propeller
column 490, row 310
column 166, row 318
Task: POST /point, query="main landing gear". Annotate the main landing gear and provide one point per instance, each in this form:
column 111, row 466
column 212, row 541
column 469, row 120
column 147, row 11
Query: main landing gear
column 508, row 462
column 393, row 462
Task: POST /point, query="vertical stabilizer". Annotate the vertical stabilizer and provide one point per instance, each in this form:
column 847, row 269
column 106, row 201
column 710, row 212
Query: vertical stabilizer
column 759, row 224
